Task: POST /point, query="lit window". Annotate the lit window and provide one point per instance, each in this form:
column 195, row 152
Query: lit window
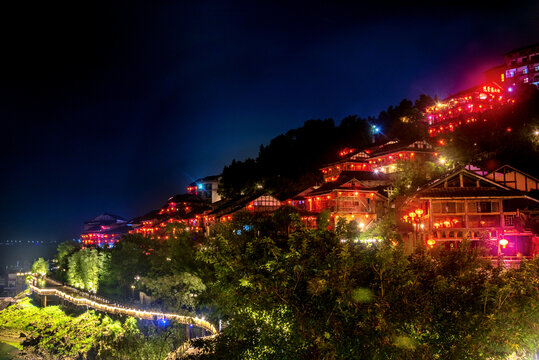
column 525, row 71
column 536, row 67
column 510, row 73
column 525, row 80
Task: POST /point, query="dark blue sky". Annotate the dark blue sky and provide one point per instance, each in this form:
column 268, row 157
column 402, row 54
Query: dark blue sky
column 113, row 108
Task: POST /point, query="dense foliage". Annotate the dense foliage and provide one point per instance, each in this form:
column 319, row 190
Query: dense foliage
column 320, row 294
column 285, row 291
column 85, row 267
column 40, row 266
column 63, row 252
column 57, row 335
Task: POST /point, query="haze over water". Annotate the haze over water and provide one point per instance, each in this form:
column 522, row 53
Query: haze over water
column 22, row 254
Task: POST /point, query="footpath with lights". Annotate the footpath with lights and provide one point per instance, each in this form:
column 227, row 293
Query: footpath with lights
column 85, row 299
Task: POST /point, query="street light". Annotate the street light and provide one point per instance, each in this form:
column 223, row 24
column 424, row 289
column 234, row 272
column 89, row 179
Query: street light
column 414, row 218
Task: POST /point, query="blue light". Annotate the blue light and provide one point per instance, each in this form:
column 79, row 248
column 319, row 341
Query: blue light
column 200, row 186
column 376, row 129
column 510, row 89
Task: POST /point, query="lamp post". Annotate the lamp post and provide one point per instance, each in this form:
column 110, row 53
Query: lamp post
column 414, row 218
column 374, row 130
column 503, row 243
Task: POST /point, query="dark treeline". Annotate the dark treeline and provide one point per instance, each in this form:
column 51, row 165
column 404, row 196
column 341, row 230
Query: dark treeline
column 291, row 161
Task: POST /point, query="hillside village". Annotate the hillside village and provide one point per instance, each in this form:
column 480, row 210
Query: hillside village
column 434, row 196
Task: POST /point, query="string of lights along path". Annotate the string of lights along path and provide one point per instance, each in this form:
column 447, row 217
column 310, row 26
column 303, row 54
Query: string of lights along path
column 115, row 309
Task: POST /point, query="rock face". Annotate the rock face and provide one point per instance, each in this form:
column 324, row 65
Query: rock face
column 5, row 302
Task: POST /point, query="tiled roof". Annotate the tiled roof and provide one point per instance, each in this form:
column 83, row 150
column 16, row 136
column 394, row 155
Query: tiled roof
column 106, row 218
column 395, row 147
column 463, row 192
column 225, row 207
column 347, row 176
column 188, row 198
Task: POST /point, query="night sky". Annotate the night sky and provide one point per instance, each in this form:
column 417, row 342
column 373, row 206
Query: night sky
column 115, row 107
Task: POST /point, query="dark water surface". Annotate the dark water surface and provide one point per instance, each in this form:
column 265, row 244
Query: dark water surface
column 23, row 254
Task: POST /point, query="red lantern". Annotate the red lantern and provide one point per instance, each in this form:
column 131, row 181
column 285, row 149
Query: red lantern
column 503, row 242
column 431, row 242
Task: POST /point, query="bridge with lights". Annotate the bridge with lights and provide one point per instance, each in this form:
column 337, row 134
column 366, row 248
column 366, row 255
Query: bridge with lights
column 80, row 298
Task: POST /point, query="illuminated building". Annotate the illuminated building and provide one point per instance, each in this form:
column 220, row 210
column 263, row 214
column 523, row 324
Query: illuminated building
column 353, row 196
column 104, row 229
column 207, row 188
column 187, row 212
column 496, row 75
column 465, row 205
column 258, row 203
column 522, row 66
column 382, row 158
column 466, row 107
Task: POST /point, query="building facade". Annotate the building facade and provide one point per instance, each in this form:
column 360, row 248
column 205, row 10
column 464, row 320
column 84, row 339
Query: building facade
column 522, row 66
column 379, row 159
column 185, row 212
column 466, row 107
column 465, row 205
column 207, row 188
column 104, row 229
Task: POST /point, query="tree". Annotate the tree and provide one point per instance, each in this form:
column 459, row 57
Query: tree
column 85, row 267
column 41, row 267
column 413, row 174
column 312, row 295
column 63, row 251
column 129, row 258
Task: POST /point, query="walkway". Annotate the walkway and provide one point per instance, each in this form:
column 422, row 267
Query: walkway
column 85, row 299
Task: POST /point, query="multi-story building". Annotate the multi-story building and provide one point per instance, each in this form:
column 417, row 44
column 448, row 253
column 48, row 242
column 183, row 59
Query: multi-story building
column 466, row 107
column 207, row 188
column 187, row 211
column 104, row 229
column 378, row 159
column 465, row 205
column 522, row 66
column 355, row 195
column 258, row 203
